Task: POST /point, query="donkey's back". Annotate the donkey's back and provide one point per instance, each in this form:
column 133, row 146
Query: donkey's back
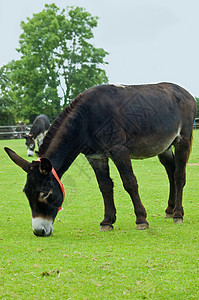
column 147, row 119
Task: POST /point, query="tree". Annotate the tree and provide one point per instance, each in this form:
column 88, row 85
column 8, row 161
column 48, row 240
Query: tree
column 6, row 115
column 197, row 101
column 57, row 60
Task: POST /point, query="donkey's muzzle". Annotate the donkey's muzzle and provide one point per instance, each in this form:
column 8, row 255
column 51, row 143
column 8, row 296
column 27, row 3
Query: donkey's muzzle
column 42, row 227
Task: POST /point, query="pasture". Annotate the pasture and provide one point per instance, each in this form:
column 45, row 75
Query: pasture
column 80, row 262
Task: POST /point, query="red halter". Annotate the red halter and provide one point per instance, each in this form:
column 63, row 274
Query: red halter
column 60, row 184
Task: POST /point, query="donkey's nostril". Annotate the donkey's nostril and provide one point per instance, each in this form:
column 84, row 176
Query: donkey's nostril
column 39, row 232
column 42, row 232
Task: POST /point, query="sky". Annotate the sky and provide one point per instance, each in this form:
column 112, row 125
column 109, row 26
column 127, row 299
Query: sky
column 148, row 41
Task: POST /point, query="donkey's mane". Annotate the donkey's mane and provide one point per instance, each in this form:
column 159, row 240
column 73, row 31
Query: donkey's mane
column 56, row 125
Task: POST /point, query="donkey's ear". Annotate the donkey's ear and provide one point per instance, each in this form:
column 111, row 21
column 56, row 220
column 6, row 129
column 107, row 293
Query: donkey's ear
column 45, row 166
column 24, row 164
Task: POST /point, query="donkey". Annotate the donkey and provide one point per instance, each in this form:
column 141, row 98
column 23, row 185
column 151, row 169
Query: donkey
column 38, row 130
column 120, row 123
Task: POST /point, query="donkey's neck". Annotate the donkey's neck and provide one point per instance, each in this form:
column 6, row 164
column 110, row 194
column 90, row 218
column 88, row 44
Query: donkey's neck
column 35, row 131
column 66, row 145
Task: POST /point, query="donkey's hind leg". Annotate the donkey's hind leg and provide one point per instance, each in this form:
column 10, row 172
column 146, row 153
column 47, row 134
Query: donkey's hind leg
column 168, row 160
column 101, row 169
column 182, row 151
column 122, row 161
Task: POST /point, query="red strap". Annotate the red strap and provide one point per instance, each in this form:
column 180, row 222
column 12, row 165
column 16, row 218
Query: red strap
column 60, row 184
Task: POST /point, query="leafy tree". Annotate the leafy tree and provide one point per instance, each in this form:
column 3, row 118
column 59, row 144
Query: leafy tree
column 197, row 100
column 58, row 60
column 6, row 115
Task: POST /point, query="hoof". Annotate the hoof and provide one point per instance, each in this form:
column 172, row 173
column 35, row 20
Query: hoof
column 142, row 226
column 177, row 221
column 169, row 216
column 106, row 227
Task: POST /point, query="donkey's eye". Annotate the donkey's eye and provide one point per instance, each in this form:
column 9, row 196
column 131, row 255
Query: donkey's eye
column 31, row 146
column 44, row 196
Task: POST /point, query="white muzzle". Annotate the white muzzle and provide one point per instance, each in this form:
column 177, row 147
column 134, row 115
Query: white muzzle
column 42, row 227
column 30, row 152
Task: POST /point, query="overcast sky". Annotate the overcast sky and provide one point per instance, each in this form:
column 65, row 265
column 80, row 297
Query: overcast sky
column 148, row 40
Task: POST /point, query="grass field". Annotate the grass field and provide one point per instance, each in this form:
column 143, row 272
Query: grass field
column 80, row 262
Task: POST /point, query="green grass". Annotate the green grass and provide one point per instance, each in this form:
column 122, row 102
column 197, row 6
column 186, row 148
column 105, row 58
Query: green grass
column 80, row 262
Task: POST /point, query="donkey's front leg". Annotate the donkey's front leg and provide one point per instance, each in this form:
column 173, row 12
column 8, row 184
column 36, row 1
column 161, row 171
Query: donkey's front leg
column 101, row 169
column 122, row 160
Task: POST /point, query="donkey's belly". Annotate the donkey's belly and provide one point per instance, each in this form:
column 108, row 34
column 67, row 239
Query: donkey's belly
column 149, row 146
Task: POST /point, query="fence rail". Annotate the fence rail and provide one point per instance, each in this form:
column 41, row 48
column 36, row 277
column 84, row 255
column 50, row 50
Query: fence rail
column 196, row 123
column 17, row 131
column 13, row 131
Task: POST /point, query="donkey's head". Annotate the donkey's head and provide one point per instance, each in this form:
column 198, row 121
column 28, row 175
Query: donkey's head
column 30, row 144
column 43, row 190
